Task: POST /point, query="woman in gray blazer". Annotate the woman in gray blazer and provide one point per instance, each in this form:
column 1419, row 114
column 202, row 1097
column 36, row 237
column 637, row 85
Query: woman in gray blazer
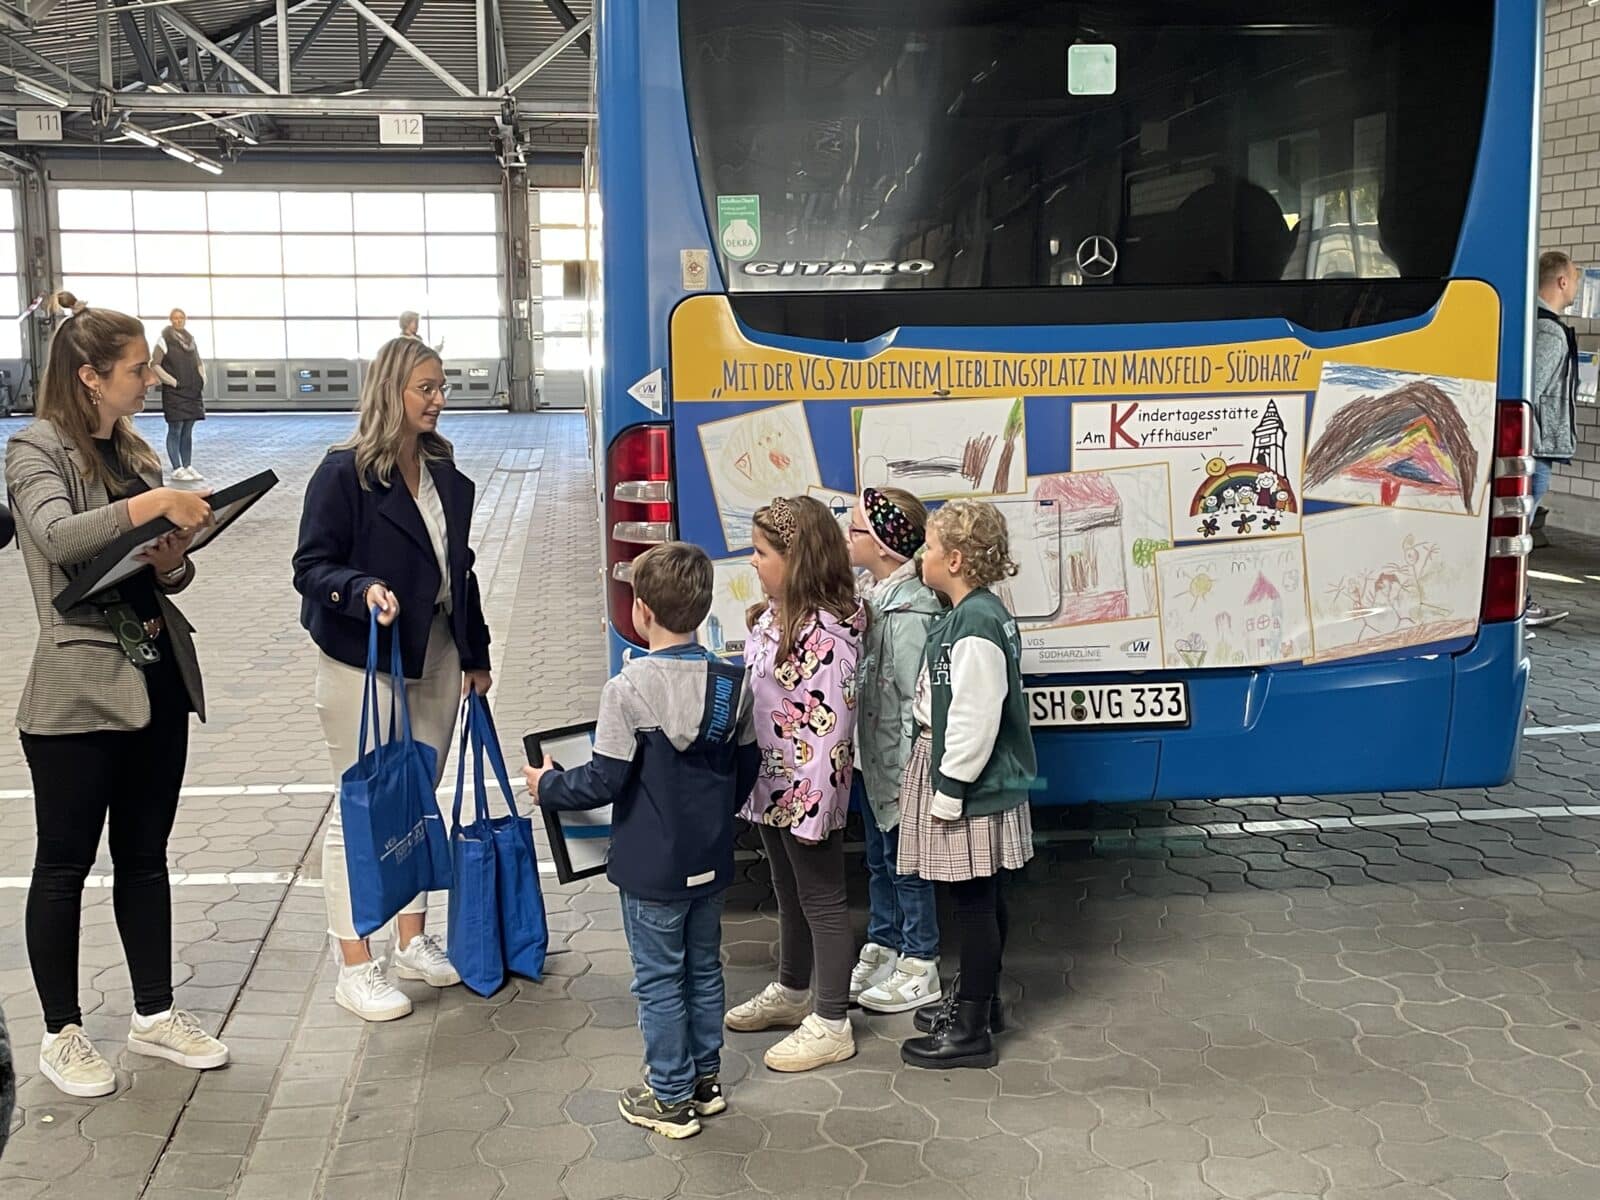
column 105, row 711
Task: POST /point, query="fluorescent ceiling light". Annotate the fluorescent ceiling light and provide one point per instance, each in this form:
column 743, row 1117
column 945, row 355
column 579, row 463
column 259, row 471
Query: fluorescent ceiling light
column 179, row 153
column 140, row 136
column 42, row 91
column 210, row 168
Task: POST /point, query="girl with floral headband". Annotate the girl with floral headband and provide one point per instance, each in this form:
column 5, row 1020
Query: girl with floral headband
column 802, row 653
column 899, row 966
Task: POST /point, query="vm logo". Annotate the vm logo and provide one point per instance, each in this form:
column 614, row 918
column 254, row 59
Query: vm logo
column 1137, row 646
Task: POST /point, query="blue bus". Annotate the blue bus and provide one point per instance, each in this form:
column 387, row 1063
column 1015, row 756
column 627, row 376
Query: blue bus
column 1227, row 305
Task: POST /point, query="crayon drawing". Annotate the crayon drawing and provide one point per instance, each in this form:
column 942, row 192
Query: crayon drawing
column 1398, row 440
column 840, row 503
column 1098, row 553
column 755, row 457
column 1234, row 604
column 943, row 449
column 1034, row 593
column 734, row 589
column 1384, row 580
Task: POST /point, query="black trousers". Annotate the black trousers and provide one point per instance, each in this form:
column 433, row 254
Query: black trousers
column 815, row 945
column 79, row 780
column 980, row 912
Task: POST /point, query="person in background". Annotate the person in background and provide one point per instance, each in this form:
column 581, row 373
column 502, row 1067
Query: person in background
column 899, row 966
column 177, row 363
column 385, row 526
column 964, row 801
column 1555, row 390
column 804, row 644
column 8, row 1084
column 105, row 711
column 410, row 322
column 674, row 754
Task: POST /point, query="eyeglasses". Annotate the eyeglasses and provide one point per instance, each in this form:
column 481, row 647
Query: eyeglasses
column 434, row 391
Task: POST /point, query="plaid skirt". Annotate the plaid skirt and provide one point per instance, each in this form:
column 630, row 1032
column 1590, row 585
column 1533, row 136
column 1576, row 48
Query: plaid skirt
column 952, row 851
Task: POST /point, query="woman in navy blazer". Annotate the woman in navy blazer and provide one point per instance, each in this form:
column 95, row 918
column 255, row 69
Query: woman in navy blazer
column 385, row 527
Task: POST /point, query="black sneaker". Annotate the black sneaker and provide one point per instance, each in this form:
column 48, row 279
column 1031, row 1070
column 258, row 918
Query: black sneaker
column 639, row 1106
column 708, row 1100
column 1537, row 616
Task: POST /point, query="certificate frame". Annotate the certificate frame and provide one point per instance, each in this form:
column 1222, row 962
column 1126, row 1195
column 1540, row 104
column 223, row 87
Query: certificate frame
column 119, row 560
column 580, row 840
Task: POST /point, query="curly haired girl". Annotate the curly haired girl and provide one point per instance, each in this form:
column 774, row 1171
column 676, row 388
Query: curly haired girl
column 964, row 801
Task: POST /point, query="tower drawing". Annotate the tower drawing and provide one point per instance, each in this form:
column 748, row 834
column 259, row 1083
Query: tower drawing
column 1271, row 442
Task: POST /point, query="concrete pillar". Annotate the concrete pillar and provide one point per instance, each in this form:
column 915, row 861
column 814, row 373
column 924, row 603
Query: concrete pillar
column 36, row 265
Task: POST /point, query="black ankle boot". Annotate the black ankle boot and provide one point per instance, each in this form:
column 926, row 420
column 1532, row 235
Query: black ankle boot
column 962, row 1041
column 928, row 1014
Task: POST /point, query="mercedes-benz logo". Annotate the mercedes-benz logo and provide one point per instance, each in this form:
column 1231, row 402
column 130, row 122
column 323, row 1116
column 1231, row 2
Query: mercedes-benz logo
column 1097, row 256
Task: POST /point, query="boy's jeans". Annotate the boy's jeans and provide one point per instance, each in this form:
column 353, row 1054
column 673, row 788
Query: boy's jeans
column 677, row 979
column 903, row 913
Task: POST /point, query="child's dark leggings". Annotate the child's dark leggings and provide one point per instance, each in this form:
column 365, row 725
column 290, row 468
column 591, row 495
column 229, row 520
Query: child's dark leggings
column 980, row 910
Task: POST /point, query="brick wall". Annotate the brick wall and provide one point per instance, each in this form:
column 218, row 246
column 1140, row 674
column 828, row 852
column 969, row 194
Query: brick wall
column 1569, row 218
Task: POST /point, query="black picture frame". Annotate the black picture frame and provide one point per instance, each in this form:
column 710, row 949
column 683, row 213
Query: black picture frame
column 119, row 560
column 580, row 841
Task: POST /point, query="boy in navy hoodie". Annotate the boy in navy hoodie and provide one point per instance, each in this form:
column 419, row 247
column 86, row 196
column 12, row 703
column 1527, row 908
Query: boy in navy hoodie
column 674, row 754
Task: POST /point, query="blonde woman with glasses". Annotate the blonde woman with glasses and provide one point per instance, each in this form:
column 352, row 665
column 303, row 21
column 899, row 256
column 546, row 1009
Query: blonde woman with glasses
column 385, row 527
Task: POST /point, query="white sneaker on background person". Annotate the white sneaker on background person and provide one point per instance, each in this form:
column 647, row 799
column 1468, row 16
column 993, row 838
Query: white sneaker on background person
column 424, row 960
column 176, row 1036
column 69, row 1060
column 915, row 982
column 194, row 475
column 366, row 991
column 874, row 966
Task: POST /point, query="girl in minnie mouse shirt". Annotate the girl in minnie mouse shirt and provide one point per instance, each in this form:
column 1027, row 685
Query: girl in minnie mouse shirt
column 802, row 653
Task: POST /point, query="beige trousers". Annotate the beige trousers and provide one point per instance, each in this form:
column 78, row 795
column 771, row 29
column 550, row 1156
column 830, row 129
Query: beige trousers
column 435, row 701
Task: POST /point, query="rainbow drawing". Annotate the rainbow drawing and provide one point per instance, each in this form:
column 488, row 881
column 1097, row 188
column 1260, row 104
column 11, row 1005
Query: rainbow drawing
column 1411, row 439
column 1230, row 487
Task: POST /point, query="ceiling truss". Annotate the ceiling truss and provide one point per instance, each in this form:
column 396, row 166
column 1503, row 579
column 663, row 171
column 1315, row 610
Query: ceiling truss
column 162, row 59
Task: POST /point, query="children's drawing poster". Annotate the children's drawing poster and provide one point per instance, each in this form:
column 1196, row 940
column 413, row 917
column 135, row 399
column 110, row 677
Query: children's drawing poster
column 1234, row 604
column 1383, row 580
column 1235, row 461
column 841, row 504
column 735, row 587
column 943, row 449
column 752, row 458
column 1396, row 440
column 1035, row 532
column 1099, row 555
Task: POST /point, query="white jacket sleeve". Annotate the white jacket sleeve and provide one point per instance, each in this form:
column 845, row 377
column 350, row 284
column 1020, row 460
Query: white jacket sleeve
column 979, row 681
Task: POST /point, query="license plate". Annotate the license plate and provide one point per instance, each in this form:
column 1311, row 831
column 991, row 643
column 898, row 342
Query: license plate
column 1092, row 705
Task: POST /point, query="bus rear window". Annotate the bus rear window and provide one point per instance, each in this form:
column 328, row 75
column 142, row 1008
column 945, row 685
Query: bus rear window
column 1026, row 143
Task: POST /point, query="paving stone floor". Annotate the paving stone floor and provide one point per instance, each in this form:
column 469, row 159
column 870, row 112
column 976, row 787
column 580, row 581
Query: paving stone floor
column 1384, row 997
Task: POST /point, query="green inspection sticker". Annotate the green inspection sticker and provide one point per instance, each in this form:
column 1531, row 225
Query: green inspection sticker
column 739, row 226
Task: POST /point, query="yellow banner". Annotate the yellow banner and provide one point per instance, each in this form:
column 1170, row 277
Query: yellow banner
column 713, row 361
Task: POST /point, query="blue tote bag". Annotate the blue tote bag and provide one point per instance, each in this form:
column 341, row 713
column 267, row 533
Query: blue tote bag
column 497, row 918
column 394, row 840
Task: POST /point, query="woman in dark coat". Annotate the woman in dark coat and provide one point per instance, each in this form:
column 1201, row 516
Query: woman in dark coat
column 177, row 363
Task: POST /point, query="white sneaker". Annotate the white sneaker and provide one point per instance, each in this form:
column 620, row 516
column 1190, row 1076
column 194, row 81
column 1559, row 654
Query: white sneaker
column 182, row 474
column 915, row 982
column 73, row 1064
column 177, row 1037
column 366, row 991
column 772, row 1009
column 426, row 960
column 811, row 1046
column 874, row 966
column 195, row 476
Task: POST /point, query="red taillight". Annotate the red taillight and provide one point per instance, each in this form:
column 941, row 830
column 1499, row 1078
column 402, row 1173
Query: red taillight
column 1505, row 579
column 639, row 512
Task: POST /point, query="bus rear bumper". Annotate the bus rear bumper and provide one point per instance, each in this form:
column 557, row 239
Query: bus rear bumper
column 1449, row 721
